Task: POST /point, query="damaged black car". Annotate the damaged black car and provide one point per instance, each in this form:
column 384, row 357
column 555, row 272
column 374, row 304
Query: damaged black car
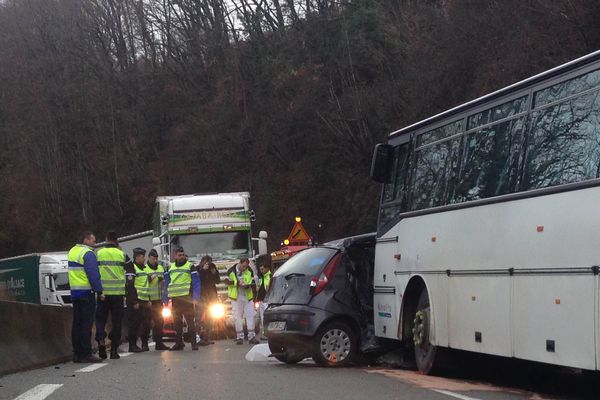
column 321, row 304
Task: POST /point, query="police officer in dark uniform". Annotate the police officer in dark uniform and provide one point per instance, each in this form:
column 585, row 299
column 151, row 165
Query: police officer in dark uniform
column 134, row 304
column 155, row 288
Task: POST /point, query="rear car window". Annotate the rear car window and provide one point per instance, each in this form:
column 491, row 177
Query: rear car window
column 307, row 262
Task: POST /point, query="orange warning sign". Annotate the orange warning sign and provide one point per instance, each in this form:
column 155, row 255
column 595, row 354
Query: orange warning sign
column 298, row 233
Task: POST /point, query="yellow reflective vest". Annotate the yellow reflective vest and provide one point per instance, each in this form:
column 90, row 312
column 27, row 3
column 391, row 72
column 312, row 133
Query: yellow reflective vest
column 78, row 279
column 155, row 285
column 180, row 282
column 141, row 283
column 266, row 279
column 111, row 262
column 232, row 290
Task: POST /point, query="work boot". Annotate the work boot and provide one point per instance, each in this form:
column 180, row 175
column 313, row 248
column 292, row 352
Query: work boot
column 114, row 353
column 160, row 346
column 145, row 345
column 253, row 340
column 76, row 359
column 90, row 359
column 178, row 346
column 102, row 350
column 239, row 341
column 134, row 348
column 194, row 344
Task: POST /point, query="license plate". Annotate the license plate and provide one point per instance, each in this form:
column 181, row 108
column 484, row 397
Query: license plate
column 276, row 326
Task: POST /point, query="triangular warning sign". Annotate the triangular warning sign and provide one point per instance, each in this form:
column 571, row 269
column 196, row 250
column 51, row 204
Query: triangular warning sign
column 298, row 233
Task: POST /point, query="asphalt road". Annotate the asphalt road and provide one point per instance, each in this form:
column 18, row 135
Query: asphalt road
column 221, row 371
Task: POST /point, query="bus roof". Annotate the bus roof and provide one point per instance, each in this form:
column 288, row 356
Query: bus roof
column 499, row 93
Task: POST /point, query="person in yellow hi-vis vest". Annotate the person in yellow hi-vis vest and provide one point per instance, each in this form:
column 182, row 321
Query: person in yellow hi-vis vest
column 264, row 283
column 183, row 288
column 240, row 288
column 138, row 301
column 111, row 261
column 85, row 284
column 156, row 276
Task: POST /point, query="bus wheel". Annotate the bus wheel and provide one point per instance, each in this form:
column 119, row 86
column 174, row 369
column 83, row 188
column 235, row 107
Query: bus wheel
column 424, row 351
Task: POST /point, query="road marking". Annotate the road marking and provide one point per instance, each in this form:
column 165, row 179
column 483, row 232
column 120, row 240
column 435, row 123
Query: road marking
column 91, row 368
column 125, row 354
column 40, row 392
column 452, row 394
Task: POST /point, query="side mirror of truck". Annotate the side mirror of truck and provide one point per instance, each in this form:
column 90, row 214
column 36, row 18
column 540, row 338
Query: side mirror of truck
column 262, row 243
column 155, row 241
column 381, row 166
column 48, row 283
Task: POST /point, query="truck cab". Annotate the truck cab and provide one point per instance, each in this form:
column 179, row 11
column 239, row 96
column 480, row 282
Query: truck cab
column 54, row 279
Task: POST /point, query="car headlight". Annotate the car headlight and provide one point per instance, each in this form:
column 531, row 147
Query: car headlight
column 166, row 312
column 216, row 311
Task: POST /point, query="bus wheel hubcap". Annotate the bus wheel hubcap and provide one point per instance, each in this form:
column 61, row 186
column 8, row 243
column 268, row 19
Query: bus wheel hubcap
column 419, row 329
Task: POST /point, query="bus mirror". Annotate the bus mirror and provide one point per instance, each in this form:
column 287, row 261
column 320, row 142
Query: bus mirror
column 263, row 235
column 381, row 164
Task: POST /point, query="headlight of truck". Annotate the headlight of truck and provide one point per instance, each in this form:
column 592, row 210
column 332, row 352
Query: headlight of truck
column 217, row 311
column 166, row 312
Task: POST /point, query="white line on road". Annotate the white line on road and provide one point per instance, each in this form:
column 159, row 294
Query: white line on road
column 40, row 392
column 91, row 368
column 125, row 354
column 452, row 394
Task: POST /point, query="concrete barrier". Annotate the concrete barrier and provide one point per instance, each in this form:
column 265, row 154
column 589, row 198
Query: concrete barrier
column 33, row 335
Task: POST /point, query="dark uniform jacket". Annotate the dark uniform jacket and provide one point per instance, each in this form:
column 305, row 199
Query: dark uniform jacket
column 209, row 279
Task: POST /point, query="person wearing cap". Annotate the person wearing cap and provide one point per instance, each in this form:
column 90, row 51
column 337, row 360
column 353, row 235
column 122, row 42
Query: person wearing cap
column 155, row 273
column 183, row 288
column 85, row 284
column 137, row 299
column 111, row 261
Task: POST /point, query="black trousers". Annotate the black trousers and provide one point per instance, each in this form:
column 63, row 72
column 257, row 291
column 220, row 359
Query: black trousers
column 112, row 305
column 205, row 320
column 183, row 306
column 157, row 321
column 84, row 309
column 139, row 322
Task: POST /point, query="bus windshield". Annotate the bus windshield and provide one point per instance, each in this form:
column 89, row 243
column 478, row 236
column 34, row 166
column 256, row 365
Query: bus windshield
column 218, row 245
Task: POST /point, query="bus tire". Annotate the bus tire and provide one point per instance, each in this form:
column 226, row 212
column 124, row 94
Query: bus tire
column 425, row 352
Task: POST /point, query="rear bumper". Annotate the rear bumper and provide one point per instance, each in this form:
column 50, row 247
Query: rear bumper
column 300, row 320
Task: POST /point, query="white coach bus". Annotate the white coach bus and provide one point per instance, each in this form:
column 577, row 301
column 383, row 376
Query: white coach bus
column 489, row 225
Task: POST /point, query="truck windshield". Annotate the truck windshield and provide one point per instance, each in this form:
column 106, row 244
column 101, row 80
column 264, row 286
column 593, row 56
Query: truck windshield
column 218, row 245
column 61, row 281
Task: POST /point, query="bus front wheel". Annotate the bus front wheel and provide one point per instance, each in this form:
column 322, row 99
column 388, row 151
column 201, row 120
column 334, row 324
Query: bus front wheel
column 425, row 352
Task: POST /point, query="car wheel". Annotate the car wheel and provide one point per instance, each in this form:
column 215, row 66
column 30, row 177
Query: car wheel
column 425, row 352
column 335, row 345
column 284, row 353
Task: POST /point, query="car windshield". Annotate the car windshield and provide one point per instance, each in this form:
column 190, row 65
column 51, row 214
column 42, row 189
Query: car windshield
column 61, row 281
column 309, row 262
column 218, row 245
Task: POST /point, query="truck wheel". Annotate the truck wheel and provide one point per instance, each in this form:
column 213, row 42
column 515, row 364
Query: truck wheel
column 425, row 352
column 335, row 345
column 284, row 353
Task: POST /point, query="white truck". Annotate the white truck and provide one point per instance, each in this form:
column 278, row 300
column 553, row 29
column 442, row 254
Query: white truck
column 216, row 224
column 40, row 278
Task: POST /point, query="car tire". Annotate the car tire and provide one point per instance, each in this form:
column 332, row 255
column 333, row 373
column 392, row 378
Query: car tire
column 283, row 353
column 331, row 340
